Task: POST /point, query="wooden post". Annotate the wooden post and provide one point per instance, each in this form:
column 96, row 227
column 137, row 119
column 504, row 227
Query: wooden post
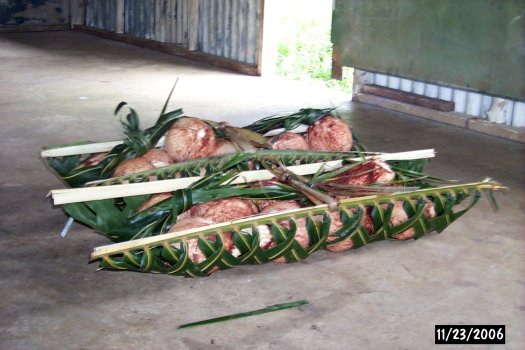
column 77, row 10
column 157, row 20
column 260, row 36
column 193, row 25
column 337, row 68
column 361, row 78
column 119, row 24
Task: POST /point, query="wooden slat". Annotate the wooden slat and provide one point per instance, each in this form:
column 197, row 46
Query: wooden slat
column 450, row 118
column 408, row 97
column 193, row 24
column 33, row 28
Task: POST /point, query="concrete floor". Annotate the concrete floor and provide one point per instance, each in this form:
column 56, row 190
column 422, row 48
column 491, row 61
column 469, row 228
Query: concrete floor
column 63, row 86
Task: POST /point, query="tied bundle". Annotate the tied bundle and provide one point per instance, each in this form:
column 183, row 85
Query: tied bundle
column 190, row 196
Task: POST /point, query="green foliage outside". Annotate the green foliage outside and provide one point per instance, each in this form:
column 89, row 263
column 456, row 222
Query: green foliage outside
column 304, row 45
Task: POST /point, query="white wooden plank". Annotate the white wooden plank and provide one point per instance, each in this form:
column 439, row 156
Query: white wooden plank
column 84, row 194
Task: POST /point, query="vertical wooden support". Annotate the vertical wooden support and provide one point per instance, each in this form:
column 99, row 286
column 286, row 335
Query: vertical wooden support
column 77, row 13
column 119, row 24
column 178, row 22
column 337, row 68
column 157, row 20
column 260, row 36
column 361, row 78
column 172, row 19
column 193, row 24
column 162, row 19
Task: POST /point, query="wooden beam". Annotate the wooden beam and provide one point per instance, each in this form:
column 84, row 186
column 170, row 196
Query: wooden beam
column 33, row 28
column 499, row 130
column 408, row 97
column 450, row 118
column 444, row 117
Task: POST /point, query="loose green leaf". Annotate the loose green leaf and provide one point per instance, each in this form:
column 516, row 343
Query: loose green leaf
column 276, row 307
column 169, row 97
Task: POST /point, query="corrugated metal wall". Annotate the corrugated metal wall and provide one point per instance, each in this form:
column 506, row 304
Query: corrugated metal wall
column 139, row 18
column 102, row 14
column 470, row 103
column 224, row 28
column 229, row 28
column 160, row 20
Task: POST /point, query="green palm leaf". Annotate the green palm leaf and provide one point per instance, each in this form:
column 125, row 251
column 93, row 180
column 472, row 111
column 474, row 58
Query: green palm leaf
column 120, row 220
column 305, row 116
column 267, row 309
column 124, row 223
column 168, row 253
column 244, row 161
column 136, row 143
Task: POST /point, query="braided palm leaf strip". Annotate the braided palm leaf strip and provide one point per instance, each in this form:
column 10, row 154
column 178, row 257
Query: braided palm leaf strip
column 158, row 254
column 239, row 161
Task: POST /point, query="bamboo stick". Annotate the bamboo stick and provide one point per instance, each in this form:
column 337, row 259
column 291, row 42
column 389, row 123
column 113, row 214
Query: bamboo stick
column 298, row 130
column 96, row 147
column 99, row 147
column 84, row 194
column 101, row 251
column 198, row 231
column 80, row 149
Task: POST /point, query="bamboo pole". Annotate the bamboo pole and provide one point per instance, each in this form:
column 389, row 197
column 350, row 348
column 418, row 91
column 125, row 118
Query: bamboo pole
column 200, row 231
column 84, row 194
column 101, row 251
column 99, row 147
column 88, row 148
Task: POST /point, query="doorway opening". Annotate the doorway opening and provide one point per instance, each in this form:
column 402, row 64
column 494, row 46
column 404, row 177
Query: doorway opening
column 297, row 43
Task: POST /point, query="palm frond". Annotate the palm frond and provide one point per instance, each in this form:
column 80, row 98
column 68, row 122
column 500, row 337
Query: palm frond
column 245, row 161
column 242, row 161
column 120, row 220
column 131, row 123
column 136, row 143
column 305, row 116
column 168, row 253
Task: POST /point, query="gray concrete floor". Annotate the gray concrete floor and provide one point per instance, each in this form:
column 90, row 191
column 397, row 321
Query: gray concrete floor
column 63, row 86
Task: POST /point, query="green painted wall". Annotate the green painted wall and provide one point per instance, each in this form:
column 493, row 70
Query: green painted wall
column 473, row 44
